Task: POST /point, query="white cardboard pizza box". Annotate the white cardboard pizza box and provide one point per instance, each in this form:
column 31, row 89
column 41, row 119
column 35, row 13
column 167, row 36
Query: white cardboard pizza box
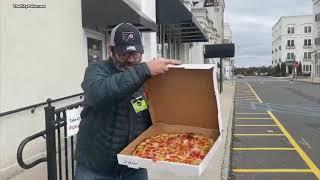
column 184, row 100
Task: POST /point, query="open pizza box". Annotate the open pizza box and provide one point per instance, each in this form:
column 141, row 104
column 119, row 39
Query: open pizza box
column 184, row 100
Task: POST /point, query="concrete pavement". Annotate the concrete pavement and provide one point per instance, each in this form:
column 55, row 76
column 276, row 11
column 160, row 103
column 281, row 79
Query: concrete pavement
column 218, row 168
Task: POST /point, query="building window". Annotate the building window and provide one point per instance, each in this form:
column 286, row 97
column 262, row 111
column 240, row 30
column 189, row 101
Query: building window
column 276, row 50
column 317, row 17
column 279, row 48
column 317, row 41
column 290, row 43
column 307, row 55
column 307, row 29
column 290, row 30
column 304, row 68
column 307, row 42
column 290, row 56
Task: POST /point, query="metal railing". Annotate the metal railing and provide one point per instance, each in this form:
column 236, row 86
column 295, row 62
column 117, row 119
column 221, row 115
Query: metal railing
column 55, row 121
column 34, row 106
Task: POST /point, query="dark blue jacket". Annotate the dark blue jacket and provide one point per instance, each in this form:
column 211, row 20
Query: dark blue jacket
column 109, row 122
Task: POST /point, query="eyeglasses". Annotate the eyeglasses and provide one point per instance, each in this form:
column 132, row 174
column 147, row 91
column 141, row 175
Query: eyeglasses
column 134, row 55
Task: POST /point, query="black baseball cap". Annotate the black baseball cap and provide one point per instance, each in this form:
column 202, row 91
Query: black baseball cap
column 126, row 38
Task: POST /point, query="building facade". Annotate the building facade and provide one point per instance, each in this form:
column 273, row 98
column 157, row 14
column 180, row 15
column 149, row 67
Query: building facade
column 316, row 34
column 292, row 41
column 228, row 63
column 212, row 19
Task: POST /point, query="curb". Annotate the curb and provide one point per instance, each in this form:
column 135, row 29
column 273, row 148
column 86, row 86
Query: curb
column 226, row 160
column 312, row 82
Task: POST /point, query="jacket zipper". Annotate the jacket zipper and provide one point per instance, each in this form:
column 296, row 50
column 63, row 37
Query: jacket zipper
column 131, row 115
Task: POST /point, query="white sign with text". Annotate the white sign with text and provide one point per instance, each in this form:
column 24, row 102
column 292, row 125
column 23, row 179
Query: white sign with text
column 73, row 121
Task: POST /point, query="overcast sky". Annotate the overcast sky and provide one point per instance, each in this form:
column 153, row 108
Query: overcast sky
column 251, row 23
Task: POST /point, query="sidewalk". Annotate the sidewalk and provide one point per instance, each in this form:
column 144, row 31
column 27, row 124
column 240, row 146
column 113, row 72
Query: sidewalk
column 219, row 168
column 309, row 80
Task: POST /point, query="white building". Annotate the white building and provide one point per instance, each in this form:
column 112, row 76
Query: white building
column 316, row 57
column 228, row 63
column 292, row 40
column 44, row 52
column 212, row 19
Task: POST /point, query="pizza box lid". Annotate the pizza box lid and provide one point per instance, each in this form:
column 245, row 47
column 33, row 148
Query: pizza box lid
column 186, row 95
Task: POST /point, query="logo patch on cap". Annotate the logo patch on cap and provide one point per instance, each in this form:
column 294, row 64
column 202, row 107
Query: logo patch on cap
column 127, row 36
column 131, row 48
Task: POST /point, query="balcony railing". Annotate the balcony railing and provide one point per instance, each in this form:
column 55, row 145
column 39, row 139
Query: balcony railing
column 307, row 46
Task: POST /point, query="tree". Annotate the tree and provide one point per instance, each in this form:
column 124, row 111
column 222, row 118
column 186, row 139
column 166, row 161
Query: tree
column 283, row 69
column 278, row 70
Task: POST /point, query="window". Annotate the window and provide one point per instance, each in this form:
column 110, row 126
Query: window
column 290, row 30
column 279, row 48
column 307, row 29
column 290, row 43
column 307, row 42
column 307, row 55
column 304, row 68
column 290, row 56
column 279, row 59
column 276, row 50
column 317, row 17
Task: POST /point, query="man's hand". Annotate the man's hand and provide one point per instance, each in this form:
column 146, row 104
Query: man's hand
column 160, row 65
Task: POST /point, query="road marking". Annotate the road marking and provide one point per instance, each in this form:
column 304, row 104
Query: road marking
column 300, row 151
column 251, row 113
column 246, row 99
column 305, row 143
column 272, row 170
column 243, row 118
column 264, row 149
column 254, row 125
column 258, row 134
column 259, row 99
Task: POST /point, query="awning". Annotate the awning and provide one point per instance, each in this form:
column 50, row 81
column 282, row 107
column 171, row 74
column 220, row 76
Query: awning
column 175, row 13
column 108, row 13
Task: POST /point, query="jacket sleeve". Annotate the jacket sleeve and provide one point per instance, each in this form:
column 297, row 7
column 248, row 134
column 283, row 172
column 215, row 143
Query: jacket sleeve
column 101, row 86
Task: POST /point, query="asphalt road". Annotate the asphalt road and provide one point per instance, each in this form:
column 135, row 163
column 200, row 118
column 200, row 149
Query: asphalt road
column 276, row 133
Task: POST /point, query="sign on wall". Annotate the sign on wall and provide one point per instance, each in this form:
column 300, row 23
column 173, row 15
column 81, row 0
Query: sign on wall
column 94, row 49
column 73, row 121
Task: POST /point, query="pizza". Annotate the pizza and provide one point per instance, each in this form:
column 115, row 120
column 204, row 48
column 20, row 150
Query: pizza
column 187, row 148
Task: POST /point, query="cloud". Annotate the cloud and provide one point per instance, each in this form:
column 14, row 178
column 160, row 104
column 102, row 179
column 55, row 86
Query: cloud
column 251, row 23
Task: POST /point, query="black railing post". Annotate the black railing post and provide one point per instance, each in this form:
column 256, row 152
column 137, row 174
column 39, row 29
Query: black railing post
column 51, row 141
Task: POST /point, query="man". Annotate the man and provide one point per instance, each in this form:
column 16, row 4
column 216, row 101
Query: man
column 110, row 120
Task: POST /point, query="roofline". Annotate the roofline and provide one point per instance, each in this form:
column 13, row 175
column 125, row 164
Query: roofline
column 282, row 17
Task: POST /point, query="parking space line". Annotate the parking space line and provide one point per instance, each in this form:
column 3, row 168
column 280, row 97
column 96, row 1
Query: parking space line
column 258, row 134
column 259, row 99
column 313, row 168
column 264, row 149
column 254, row 125
column 246, row 99
column 272, row 170
column 300, row 151
column 251, row 118
column 251, row 113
